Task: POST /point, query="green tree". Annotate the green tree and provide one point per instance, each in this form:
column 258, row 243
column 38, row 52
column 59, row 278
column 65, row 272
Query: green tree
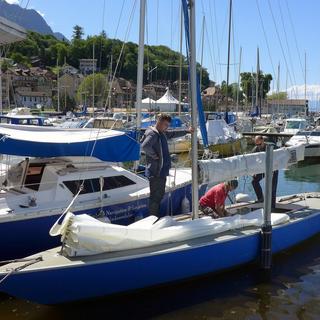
column 77, row 32
column 248, row 84
column 20, row 58
column 85, row 90
column 278, row 96
column 48, row 49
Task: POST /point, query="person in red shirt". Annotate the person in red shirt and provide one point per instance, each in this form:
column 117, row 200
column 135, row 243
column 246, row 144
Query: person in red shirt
column 213, row 202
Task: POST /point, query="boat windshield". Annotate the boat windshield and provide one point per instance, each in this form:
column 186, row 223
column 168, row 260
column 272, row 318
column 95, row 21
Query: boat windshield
column 295, row 124
column 309, row 133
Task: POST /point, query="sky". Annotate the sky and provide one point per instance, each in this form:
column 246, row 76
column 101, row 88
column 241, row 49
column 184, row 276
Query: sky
column 284, row 30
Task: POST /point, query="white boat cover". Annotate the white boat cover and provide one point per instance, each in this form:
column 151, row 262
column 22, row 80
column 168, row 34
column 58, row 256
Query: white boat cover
column 217, row 170
column 220, row 132
column 85, row 235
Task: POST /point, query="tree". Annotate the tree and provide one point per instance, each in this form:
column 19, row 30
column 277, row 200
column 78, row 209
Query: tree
column 232, row 91
column 85, row 90
column 248, row 84
column 20, row 58
column 278, row 96
column 77, row 32
column 103, row 34
column 49, row 49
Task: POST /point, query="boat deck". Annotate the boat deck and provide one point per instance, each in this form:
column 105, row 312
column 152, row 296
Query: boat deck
column 297, row 207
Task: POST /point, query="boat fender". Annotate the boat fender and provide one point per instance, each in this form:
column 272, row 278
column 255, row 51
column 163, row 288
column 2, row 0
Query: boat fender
column 242, row 197
column 185, row 205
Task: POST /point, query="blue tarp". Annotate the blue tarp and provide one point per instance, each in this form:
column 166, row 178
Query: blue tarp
column 117, row 147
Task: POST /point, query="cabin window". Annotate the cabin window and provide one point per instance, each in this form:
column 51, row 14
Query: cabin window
column 34, row 176
column 93, row 185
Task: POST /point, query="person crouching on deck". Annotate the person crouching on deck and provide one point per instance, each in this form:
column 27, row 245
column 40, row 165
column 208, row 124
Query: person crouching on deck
column 213, row 202
column 158, row 161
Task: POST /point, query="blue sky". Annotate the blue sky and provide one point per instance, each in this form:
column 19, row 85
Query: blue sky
column 163, row 28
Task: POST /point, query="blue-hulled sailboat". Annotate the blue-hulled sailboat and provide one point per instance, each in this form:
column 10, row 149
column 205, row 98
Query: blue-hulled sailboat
column 150, row 252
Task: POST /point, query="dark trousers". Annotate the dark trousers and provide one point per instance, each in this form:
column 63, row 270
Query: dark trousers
column 157, row 191
column 258, row 190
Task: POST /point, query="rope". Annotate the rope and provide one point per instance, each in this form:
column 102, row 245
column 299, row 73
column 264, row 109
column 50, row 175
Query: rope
column 31, row 262
column 280, row 42
column 266, row 39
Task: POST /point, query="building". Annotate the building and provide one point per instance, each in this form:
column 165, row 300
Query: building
column 211, row 98
column 29, row 87
column 87, row 66
column 66, row 68
column 69, row 83
column 32, row 99
column 290, row 107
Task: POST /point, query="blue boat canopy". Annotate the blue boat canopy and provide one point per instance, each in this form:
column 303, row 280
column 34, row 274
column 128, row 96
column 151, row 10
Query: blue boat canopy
column 33, row 141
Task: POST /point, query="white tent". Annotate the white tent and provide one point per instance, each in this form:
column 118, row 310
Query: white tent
column 148, row 100
column 167, row 102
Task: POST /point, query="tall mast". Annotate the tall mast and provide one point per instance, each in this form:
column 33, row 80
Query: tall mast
column 194, row 109
column 305, row 83
column 140, row 62
column 58, row 86
column 93, row 93
column 229, row 38
column 257, row 79
column 202, row 45
column 278, row 88
column 238, row 87
column 180, row 63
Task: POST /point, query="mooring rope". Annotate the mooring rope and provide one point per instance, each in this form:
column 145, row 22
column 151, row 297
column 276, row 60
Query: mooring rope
column 29, row 263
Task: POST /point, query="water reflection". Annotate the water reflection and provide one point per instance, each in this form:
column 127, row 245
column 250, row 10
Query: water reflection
column 305, row 171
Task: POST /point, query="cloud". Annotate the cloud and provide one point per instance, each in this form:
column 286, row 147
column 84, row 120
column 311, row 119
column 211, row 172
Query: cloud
column 12, row 1
column 312, row 92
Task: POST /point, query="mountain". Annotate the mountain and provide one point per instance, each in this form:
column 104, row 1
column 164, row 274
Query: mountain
column 30, row 19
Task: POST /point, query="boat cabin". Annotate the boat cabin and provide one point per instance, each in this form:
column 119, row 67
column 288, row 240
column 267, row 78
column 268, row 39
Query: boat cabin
column 293, row 125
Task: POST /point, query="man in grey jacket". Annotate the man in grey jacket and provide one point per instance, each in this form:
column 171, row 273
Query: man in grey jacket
column 158, row 161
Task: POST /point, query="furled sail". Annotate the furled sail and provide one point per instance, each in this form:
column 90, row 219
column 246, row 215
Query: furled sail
column 84, row 235
column 217, row 170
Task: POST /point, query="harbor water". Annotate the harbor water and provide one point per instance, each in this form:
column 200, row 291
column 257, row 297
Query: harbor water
column 290, row 291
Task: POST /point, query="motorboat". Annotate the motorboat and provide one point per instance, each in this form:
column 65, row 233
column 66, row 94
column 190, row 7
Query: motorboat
column 311, row 139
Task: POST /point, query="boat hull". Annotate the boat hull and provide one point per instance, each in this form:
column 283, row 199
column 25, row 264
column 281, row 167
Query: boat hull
column 100, row 278
column 179, row 146
column 229, row 149
column 35, row 231
column 312, row 150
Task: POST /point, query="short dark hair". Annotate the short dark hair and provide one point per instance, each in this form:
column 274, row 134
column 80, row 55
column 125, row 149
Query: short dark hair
column 163, row 117
column 233, row 184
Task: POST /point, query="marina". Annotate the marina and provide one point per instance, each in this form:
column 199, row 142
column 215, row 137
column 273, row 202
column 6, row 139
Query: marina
column 119, row 185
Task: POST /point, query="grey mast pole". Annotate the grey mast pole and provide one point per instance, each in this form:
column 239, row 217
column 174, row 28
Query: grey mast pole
column 194, row 109
column 238, row 87
column 140, row 62
column 305, row 84
column 266, row 230
column 228, row 64
column 257, row 82
column 180, row 62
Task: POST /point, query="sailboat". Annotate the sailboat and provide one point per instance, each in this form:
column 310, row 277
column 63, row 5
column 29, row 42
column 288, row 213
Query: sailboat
column 150, row 252
column 54, row 164
column 222, row 139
